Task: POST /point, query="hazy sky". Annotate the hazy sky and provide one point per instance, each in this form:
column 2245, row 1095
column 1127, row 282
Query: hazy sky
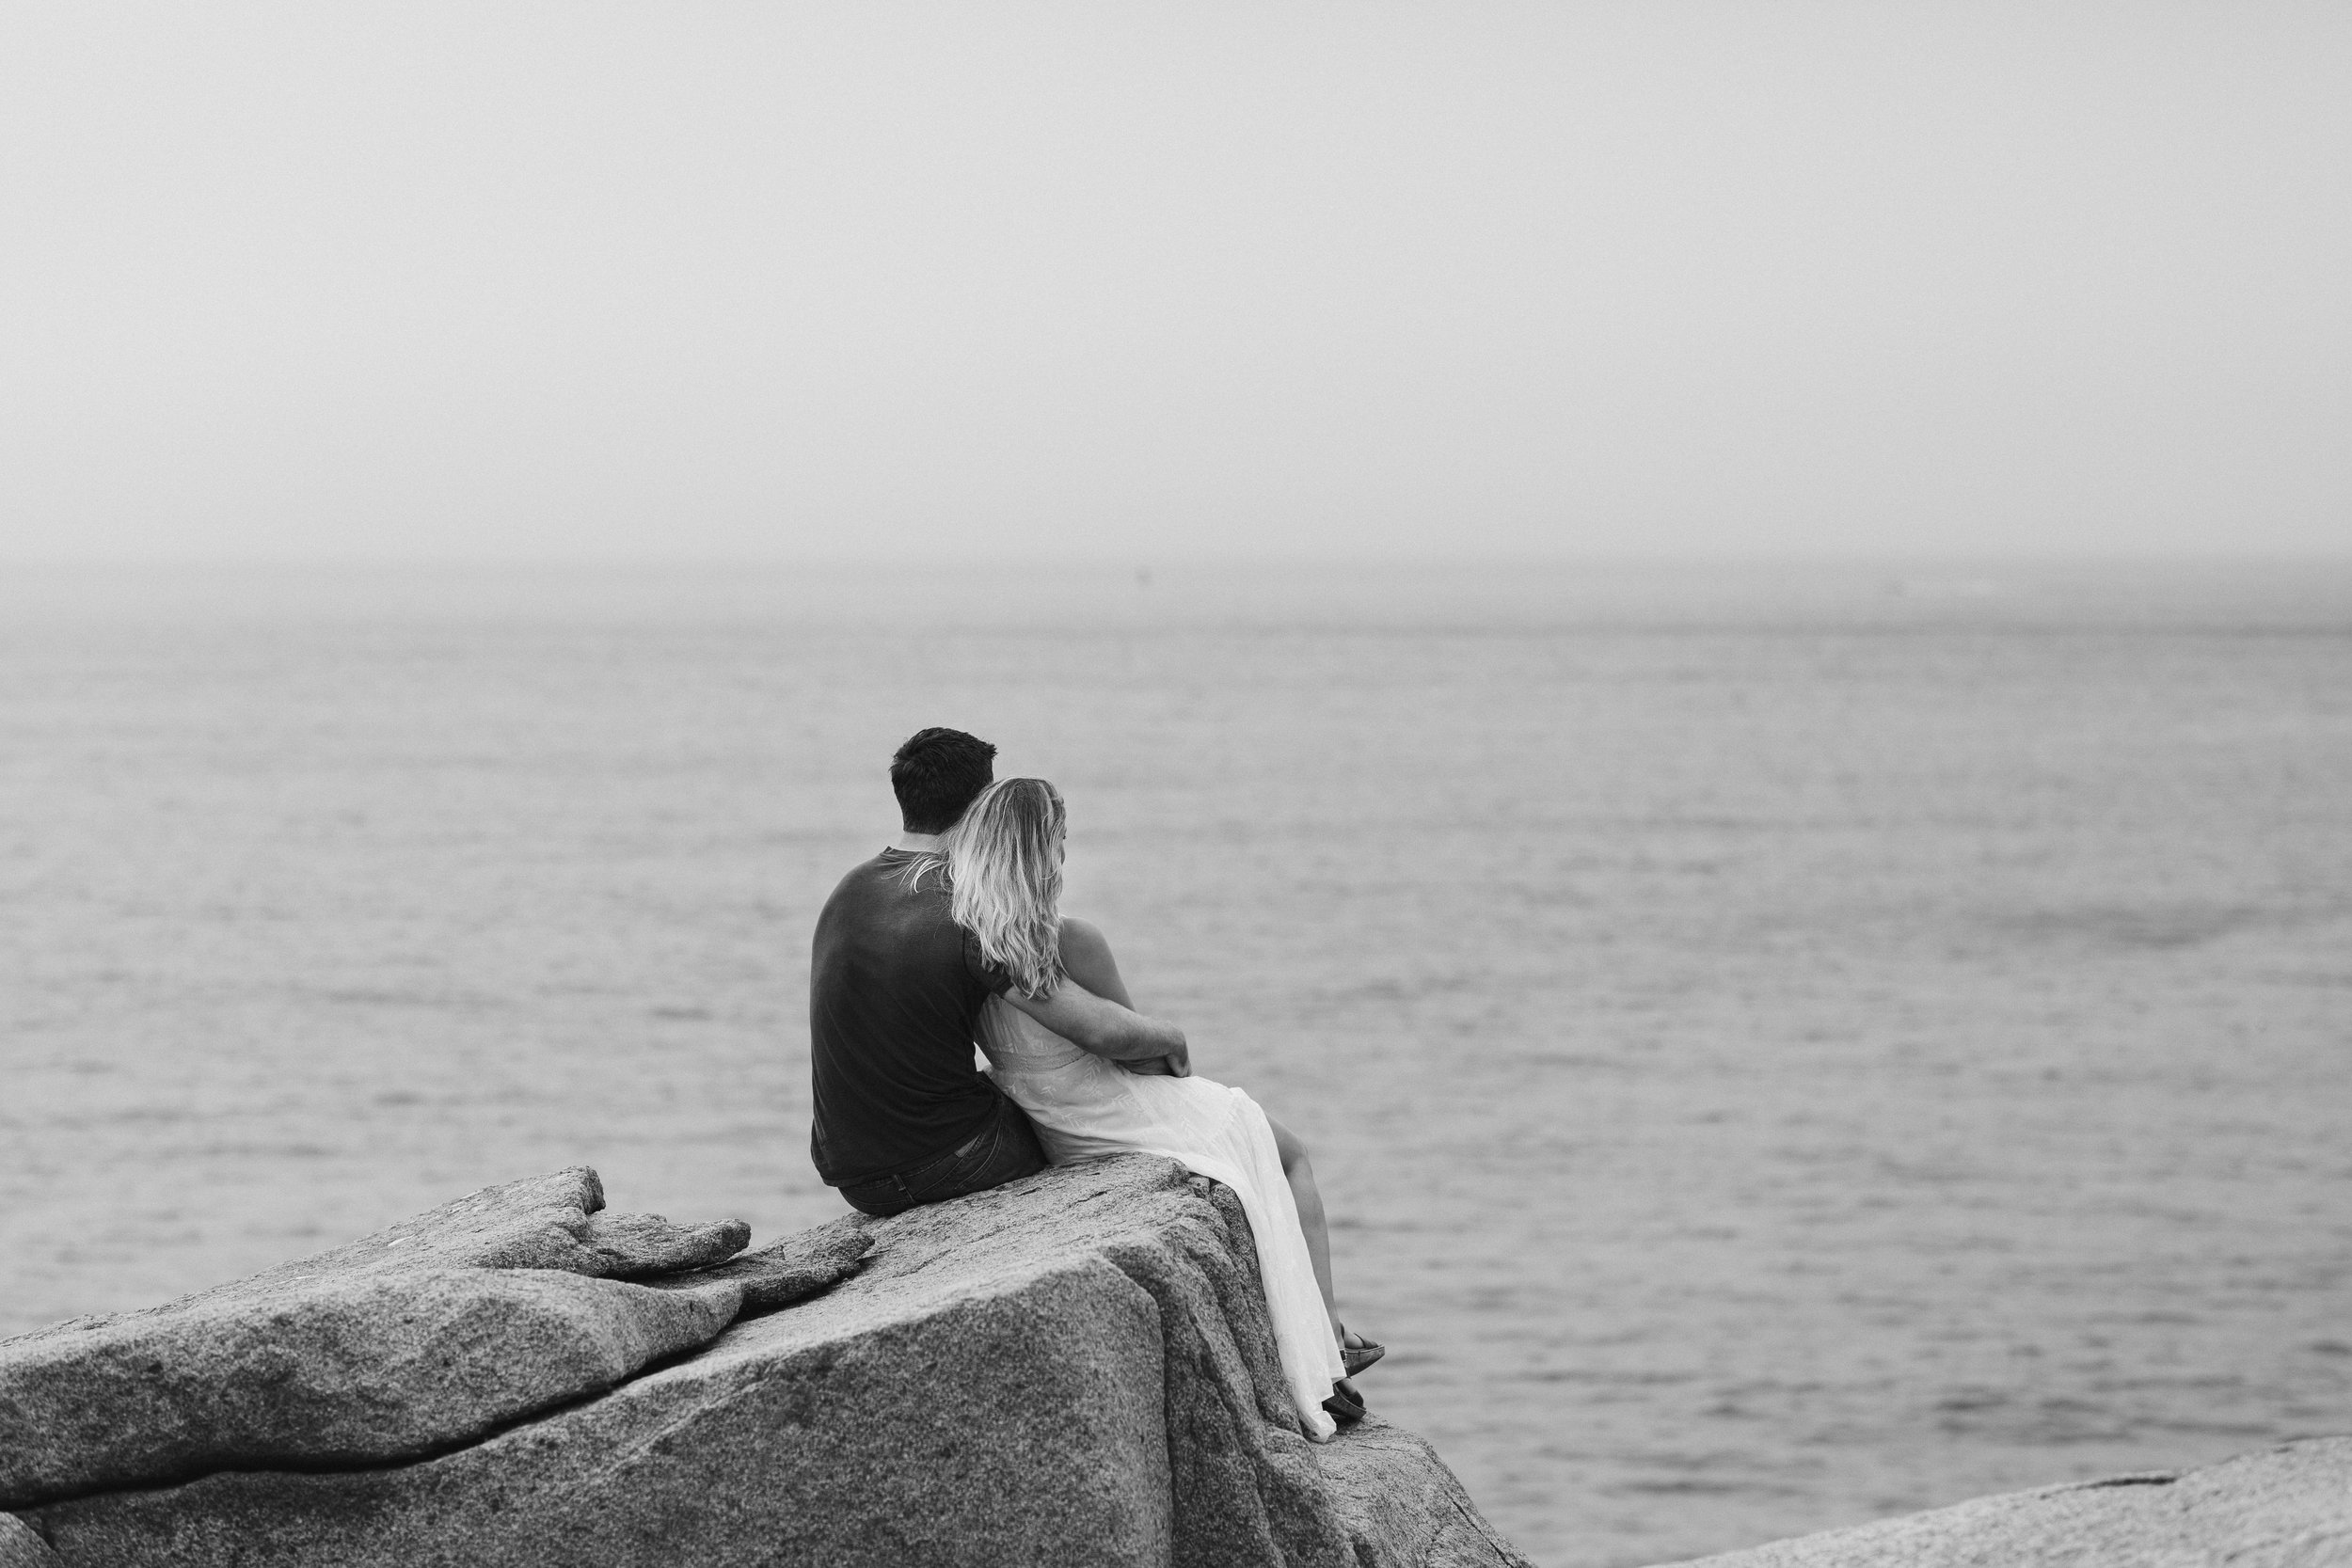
column 1137, row 281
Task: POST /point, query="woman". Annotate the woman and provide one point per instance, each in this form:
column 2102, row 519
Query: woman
column 1005, row 863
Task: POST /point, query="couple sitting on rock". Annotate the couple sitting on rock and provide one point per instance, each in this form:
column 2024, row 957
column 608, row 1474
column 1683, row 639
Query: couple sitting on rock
column 954, row 936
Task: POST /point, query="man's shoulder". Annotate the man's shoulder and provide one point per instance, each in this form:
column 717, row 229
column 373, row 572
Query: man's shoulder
column 885, row 892
column 883, row 874
column 890, row 923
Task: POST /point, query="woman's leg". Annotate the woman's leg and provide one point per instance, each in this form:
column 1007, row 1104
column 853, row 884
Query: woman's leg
column 1301, row 1176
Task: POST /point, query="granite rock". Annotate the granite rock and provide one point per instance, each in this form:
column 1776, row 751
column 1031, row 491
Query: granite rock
column 1074, row 1369
column 785, row 1271
column 2287, row 1506
column 539, row 1222
column 433, row 1332
column 20, row 1547
column 641, row 1246
column 336, row 1370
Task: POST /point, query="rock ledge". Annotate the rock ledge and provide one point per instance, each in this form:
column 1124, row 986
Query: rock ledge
column 1073, row 1368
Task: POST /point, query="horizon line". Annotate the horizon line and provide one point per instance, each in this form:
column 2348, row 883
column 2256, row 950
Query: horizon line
column 1149, row 562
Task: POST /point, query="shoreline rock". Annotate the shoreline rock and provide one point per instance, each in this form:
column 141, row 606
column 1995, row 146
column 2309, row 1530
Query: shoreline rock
column 538, row 1222
column 340, row 1372
column 1074, row 1369
column 437, row 1331
column 2285, row 1507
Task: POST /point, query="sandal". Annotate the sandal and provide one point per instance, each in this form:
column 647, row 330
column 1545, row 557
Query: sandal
column 1346, row 1403
column 1362, row 1354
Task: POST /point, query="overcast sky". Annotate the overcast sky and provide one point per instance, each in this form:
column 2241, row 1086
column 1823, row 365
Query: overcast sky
column 1136, row 282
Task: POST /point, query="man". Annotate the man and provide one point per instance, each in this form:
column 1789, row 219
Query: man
column 895, row 993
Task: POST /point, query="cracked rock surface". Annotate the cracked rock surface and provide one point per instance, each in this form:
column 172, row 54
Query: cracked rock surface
column 432, row 1334
column 785, row 1271
column 339, row 1370
column 1074, row 1369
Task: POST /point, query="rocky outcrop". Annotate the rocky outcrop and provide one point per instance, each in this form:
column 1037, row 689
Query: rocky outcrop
column 540, row 1222
column 2289, row 1506
column 432, row 1334
column 1074, row 1369
column 340, row 1372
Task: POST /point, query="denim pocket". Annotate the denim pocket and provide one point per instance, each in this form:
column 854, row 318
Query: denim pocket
column 954, row 1168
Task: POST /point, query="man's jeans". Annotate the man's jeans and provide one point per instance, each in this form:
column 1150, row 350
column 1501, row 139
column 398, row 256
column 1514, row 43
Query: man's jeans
column 1004, row 1150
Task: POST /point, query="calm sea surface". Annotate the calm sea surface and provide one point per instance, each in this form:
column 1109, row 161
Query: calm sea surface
column 1782, row 1047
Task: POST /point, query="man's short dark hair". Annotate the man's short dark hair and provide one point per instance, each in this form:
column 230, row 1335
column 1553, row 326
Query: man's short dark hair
column 936, row 774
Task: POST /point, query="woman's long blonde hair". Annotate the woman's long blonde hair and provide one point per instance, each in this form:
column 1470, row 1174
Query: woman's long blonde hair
column 1004, row 864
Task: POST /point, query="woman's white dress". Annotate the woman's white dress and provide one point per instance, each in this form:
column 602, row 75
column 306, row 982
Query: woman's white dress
column 1086, row 1107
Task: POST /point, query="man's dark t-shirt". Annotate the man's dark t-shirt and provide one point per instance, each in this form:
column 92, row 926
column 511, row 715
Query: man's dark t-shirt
column 895, row 989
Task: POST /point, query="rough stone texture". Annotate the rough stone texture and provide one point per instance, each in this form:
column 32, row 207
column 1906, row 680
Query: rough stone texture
column 540, row 1222
column 20, row 1547
column 1074, row 1369
column 338, row 1370
column 435, row 1332
column 1391, row 1490
column 639, row 1246
column 785, row 1271
column 2288, row 1507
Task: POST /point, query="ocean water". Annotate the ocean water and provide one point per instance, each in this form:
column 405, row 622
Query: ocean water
column 1781, row 1046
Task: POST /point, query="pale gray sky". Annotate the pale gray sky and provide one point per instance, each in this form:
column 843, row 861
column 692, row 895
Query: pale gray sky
column 1138, row 281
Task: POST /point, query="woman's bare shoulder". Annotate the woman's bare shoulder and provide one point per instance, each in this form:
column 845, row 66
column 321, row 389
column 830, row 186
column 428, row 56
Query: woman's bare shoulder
column 1081, row 936
column 1085, row 957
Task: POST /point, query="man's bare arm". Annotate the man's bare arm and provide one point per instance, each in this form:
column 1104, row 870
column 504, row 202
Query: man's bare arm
column 1102, row 1027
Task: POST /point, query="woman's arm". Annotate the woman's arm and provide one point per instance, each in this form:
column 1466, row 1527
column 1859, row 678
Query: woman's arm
column 1087, row 958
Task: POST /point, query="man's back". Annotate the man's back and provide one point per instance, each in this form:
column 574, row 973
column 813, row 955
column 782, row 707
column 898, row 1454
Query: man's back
column 895, row 989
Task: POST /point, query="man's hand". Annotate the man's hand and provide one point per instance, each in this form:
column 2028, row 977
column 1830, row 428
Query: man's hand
column 1103, row 1028
column 1176, row 1065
